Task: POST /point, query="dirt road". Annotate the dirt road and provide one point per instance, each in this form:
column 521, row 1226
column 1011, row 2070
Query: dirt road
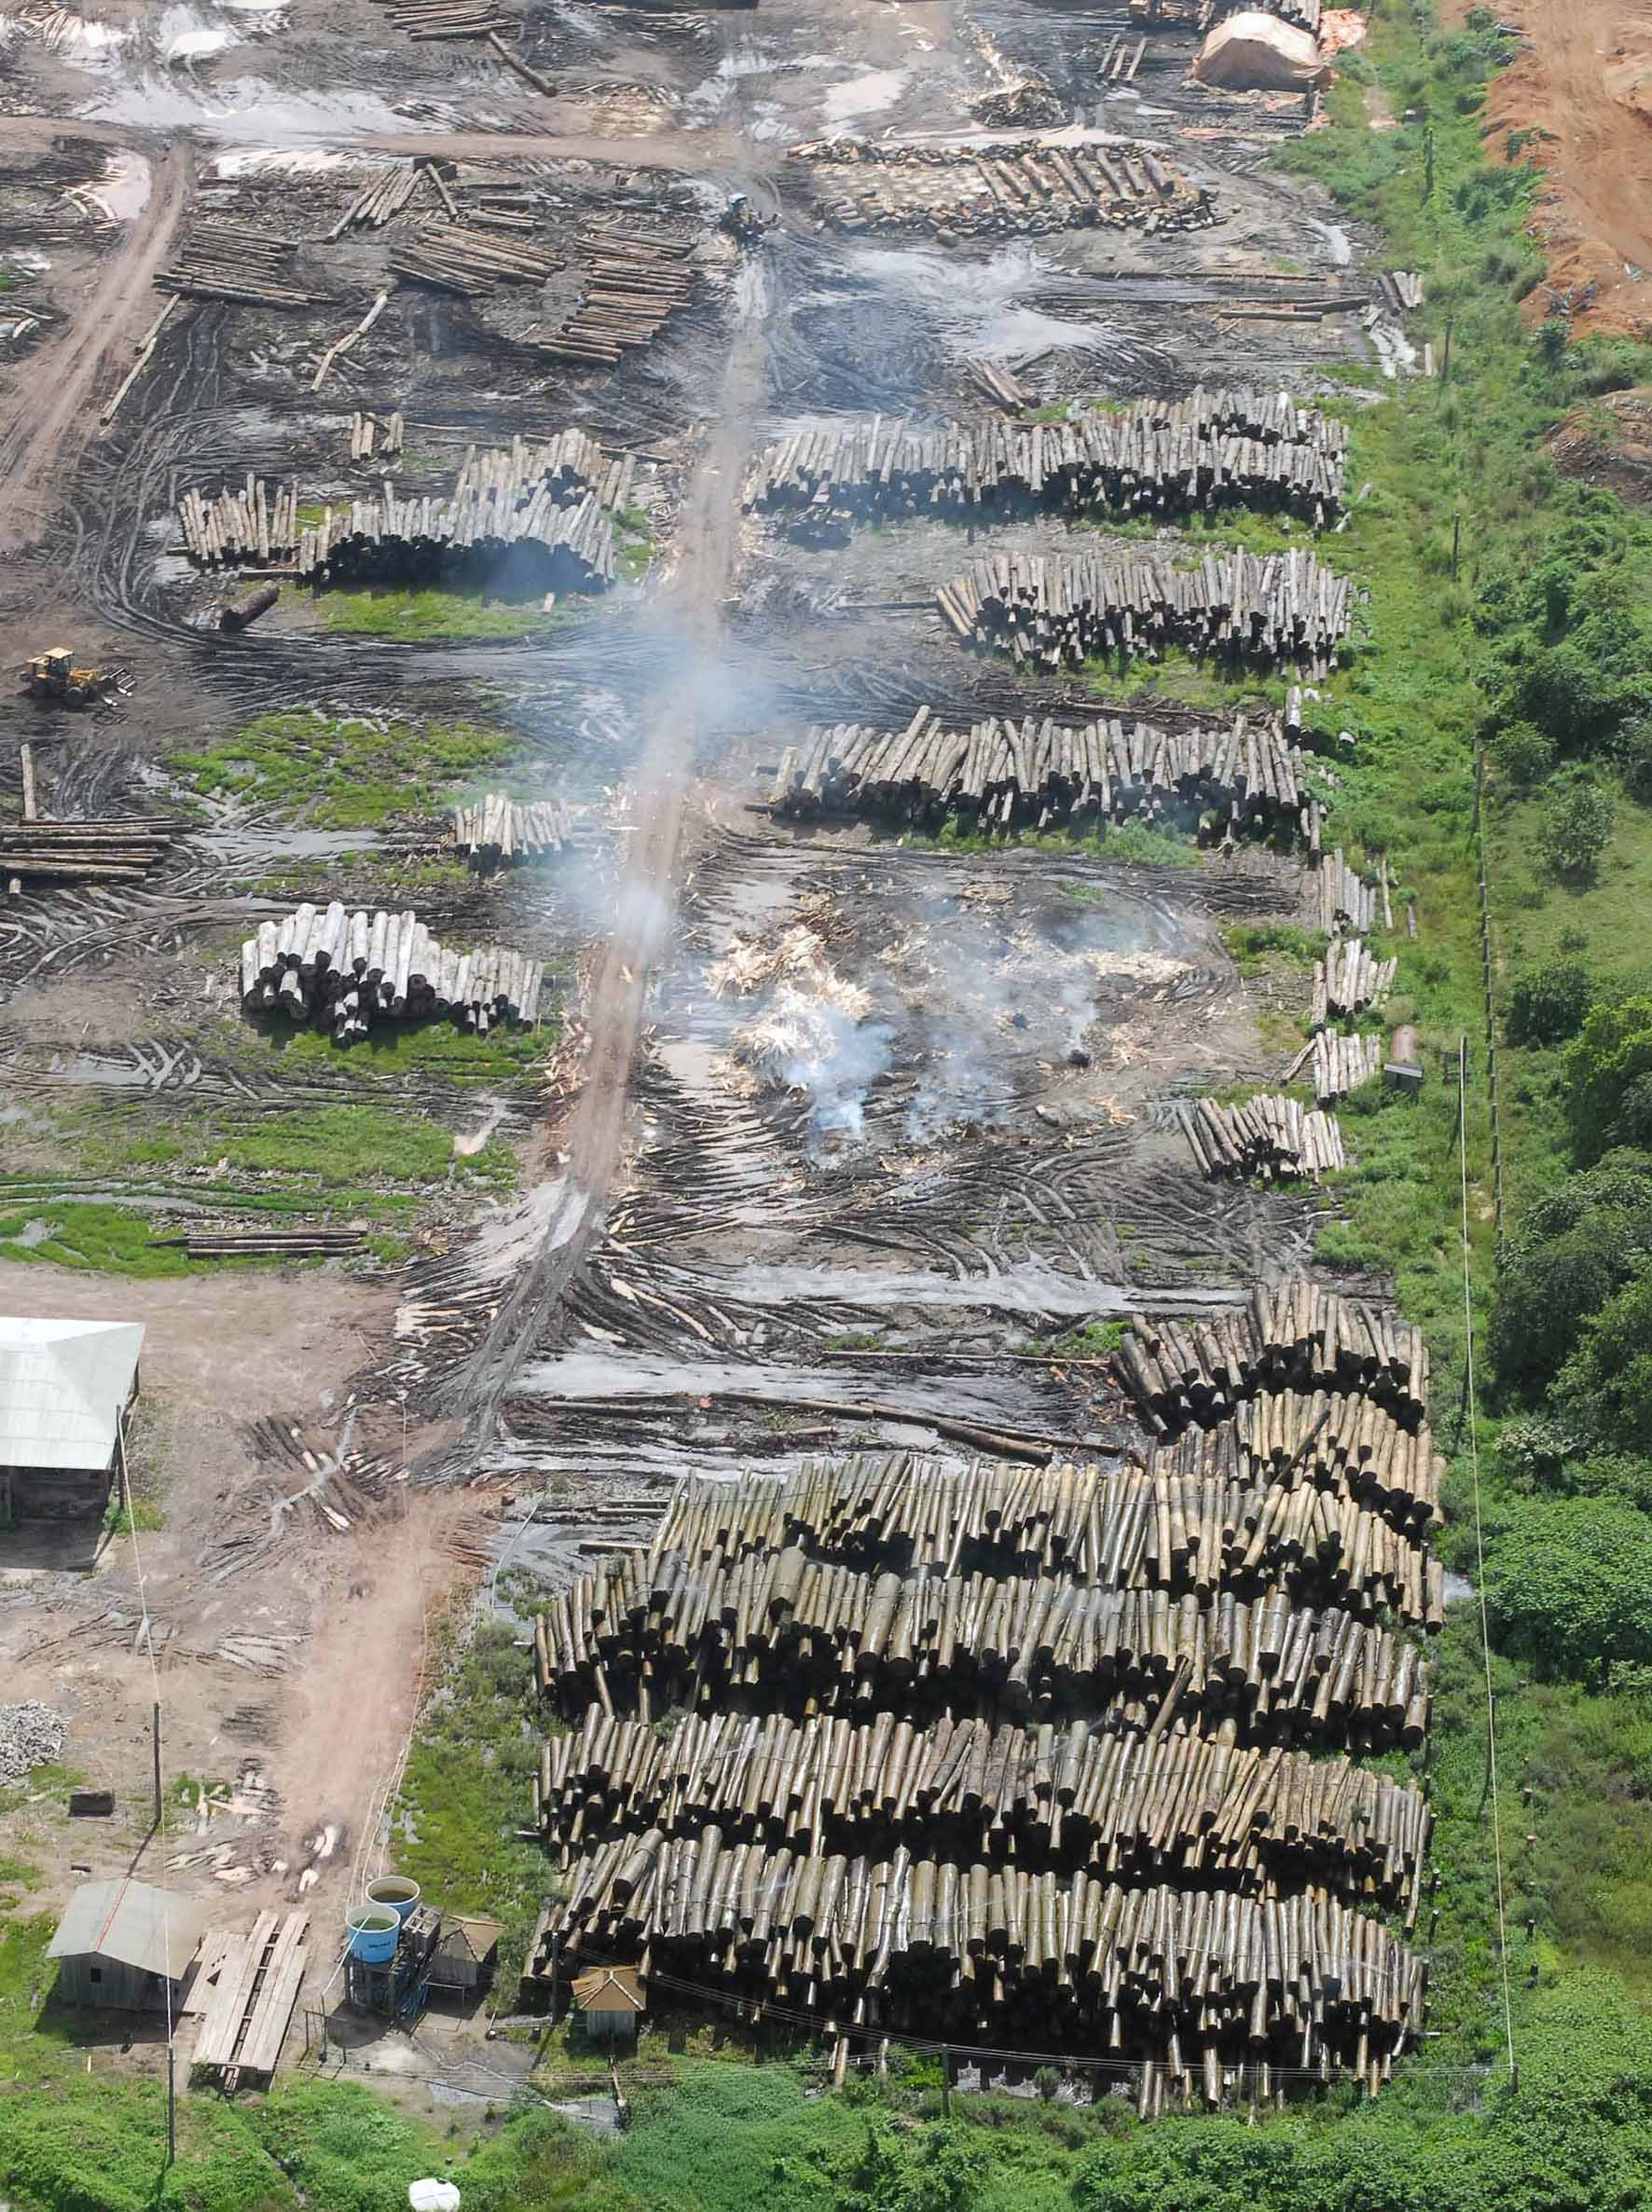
column 50, row 412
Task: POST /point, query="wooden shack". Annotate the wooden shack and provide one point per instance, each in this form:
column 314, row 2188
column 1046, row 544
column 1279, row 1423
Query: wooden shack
column 126, row 1945
column 608, row 2003
column 65, row 1389
column 463, row 1961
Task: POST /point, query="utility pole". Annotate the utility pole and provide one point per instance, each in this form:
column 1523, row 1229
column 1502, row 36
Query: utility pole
column 1428, row 162
column 1456, row 539
column 155, row 1732
column 171, row 2101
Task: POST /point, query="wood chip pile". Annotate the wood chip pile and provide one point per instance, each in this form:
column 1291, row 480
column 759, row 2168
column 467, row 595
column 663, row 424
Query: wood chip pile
column 499, row 831
column 1266, row 1139
column 1055, row 611
column 1004, row 772
column 1119, row 1807
column 1213, row 448
column 351, row 971
column 1013, row 185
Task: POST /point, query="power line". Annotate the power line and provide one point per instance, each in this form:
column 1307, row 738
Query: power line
column 1479, row 1553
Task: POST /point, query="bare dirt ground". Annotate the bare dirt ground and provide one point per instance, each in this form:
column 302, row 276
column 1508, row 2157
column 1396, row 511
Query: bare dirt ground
column 1582, row 83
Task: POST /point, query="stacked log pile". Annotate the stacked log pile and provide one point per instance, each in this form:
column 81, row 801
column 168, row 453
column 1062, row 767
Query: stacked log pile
column 1062, row 610
column 1081, row 1796
column 1212, row 1990
column 466, row 537
column 1344, row 1063
column 1348, row 980
column 1267, row 1139
column 633, row 281
column 223, row 261
column 1041, row 772
column 1254, row 448
column 1401, row 289
column 1289, row 1337
column 1336, row 896
column 381, row 200
column 269, row 1243
column 1000, row 384
column 122, row 849
column 352, row 971
column 456, row 258
column 252, row 527
column 500, row 832
column 1012, row 185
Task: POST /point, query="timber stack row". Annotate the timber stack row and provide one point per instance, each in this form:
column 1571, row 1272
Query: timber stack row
column 1336, row 896
column 1278, row 608
column 223, row 261
column 500, row 832
column 1348, row 980
column 1267, row 1139
column 1014, row 186
column 1212, row 448
column 1117, row 1805
column 354, row 970
column 632, row 282
column 1342, row 1443
column 1039, row 772
column 456, row 258
column 1214, row 1990
column 1342, row 1065
column 468, row 537
column 1293, row 1336
column 252, row 527
column 1199, row 1523
column 122, row 849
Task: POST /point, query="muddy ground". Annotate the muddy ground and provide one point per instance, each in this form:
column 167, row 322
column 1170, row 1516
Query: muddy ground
column 720, row 1244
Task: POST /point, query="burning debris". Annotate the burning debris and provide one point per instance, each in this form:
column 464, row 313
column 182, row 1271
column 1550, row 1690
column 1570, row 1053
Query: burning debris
column 813, row 1034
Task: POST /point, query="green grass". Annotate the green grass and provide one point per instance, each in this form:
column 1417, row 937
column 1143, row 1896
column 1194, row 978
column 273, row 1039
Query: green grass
column 1095, row 1339
column 346, row 772
column 107, row 1239
column 397, row 1049
column 1257, row 947
column 387, row 611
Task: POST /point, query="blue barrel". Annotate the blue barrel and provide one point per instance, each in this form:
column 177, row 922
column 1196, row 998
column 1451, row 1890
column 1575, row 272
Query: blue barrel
column 374, row 1933
column 399, row 1892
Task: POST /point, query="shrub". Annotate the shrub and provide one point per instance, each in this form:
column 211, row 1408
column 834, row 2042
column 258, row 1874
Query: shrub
column 1523, row 754
column 1631, row 749
column 1548, row 1003
column 1577, row 829
column 1569, row 1586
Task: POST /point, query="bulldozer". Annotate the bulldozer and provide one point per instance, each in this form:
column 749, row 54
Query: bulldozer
column 52, row 675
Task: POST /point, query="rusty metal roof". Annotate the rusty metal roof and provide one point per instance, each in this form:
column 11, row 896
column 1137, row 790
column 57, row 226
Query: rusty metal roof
column 610, row 1990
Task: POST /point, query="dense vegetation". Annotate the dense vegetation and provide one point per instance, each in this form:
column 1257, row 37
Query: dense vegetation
column 1510, row 621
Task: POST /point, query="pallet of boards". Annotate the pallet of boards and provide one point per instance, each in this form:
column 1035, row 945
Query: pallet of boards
column 1337, row 897
column 1002, row 772
column 1266, row 1139
column 351, row 971
column 1349, row 980
column 1061, row 610
column 1198, row 1982
column 1230, row 446
column 631, row 283
column 1344, row 1063
column 641, row 1635
column 118, row 850
column 253, row 526
column 1224, row 1524
column 1080, row 1797
column 499, row 831
column 1293, row 1336
column 226, row 261
column 1022, row 185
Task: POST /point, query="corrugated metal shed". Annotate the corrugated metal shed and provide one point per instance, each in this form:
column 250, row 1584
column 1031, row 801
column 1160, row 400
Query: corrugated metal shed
column 62, row 1387
column 148, row 1929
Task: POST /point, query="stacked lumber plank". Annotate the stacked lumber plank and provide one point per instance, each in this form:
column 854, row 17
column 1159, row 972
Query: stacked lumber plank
column 460, row 257
column 1344, row 1063
column 1287, row 1337
column 252, row 527
column 351, row 971
column 1230, row 1516
column 247, row 2016
column 1279, row 609
column 1039, row 770
column 1348, row 980
column 1022, row 185
column 1336, row 896
column 500, row 832
column 1079, row 1796
column 633, row 281
column 1268, row 1139
column 642, row 1634
column 223, row 261
column 1215, row 447
column 117, row 851
column 1207, row 1986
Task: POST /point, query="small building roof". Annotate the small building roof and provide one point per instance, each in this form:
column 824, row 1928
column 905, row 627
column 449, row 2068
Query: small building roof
column 62, row 1386
column 610, row 1990
column 478, row 1935
column 132, row 1923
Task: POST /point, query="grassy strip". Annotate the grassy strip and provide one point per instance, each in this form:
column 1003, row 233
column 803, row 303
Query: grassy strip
column 390, row 610
column 348, row 772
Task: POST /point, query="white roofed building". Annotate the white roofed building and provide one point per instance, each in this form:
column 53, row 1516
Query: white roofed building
column 65, row 1389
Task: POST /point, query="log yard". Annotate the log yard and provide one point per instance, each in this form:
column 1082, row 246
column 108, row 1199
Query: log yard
column 824, row 1133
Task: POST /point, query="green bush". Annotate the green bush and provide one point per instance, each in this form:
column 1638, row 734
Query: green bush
column 1631, row 749
column 1573, row 1252
column 1569, row 1586
column 1547, row 1005
column 1577, row 828
column 1523, row 755
column 1611, row 1052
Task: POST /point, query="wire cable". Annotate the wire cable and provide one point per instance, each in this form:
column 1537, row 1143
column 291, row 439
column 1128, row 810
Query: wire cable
column 148, row 1635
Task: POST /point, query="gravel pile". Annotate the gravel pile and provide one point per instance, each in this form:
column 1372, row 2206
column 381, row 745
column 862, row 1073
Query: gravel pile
column 29, row 1735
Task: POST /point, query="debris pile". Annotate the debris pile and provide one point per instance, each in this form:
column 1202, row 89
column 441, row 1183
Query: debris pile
column 1267, row 1139
column 1002, row 772
column 499, row 831
column 1016, row 186
column 29, row 1735
column 1278, row 608
column 1213, row 448
column 351, row 971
